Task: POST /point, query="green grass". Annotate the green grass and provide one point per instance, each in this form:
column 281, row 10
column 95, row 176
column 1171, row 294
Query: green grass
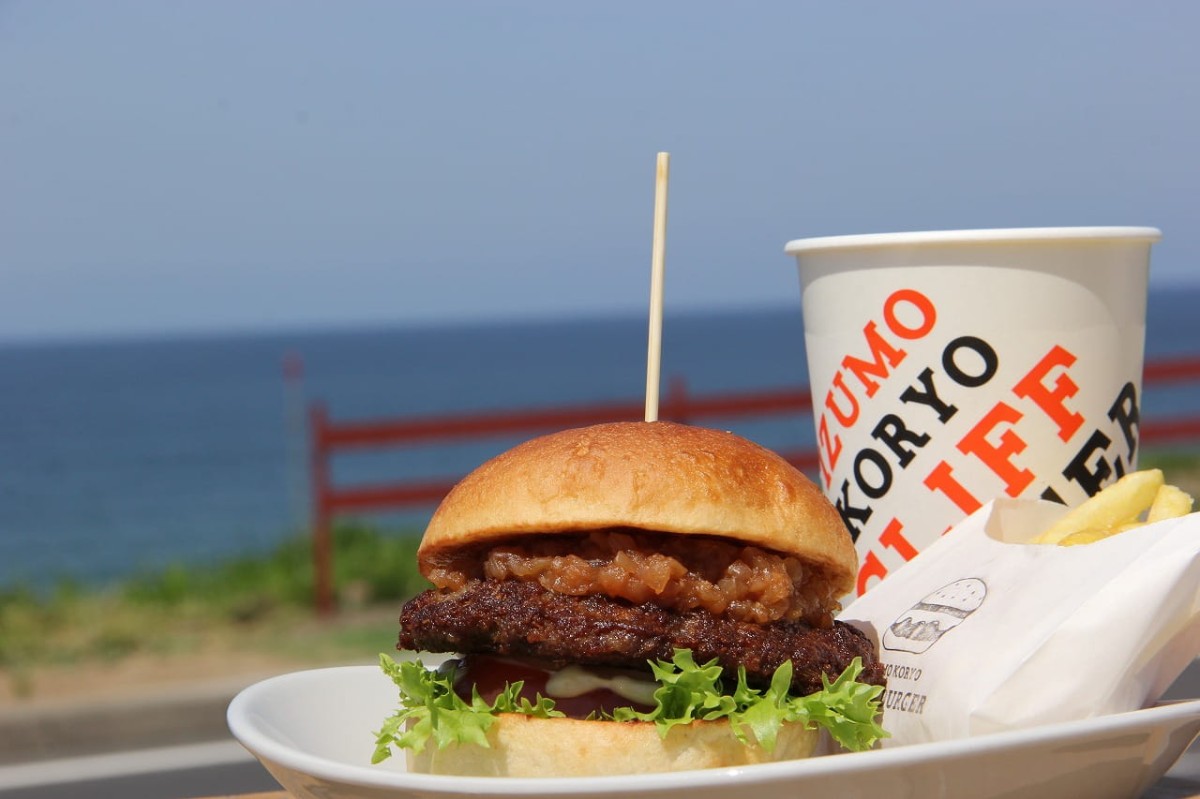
column 181, row 607
column 371, row 565
column 1173, row 462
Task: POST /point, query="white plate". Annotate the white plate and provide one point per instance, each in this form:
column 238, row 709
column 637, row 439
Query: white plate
column 313, row 730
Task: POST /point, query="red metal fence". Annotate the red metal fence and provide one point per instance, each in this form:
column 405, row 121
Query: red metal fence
column 328, row 437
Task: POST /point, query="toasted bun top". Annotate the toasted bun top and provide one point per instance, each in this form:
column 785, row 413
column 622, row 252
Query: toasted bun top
column 655, row 476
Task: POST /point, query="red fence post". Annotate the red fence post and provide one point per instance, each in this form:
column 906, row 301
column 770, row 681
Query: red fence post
column 677, row 400
column 322, row 544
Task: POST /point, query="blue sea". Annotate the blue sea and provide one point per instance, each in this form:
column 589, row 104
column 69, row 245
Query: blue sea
column 125, row 455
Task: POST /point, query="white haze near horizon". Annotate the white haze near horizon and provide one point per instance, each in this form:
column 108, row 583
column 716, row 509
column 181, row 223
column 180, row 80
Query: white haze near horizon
column 210, row 166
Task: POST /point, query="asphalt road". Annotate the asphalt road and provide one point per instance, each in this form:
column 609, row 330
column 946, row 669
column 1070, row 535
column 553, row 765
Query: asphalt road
column 207, row 769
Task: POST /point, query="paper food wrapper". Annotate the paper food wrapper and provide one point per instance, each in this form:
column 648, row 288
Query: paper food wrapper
column 982, row 632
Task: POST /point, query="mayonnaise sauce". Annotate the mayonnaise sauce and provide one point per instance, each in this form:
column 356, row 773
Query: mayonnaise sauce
column 577, row 680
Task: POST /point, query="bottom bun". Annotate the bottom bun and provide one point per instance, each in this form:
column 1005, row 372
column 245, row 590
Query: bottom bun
column 524, row 746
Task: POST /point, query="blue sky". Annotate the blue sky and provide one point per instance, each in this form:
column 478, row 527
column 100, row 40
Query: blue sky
column 219, row 165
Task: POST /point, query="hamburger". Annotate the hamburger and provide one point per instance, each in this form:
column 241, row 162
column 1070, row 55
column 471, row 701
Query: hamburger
column 627, row 598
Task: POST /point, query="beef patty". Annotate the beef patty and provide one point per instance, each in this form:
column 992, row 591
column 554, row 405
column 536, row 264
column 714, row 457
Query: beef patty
column 523, row 619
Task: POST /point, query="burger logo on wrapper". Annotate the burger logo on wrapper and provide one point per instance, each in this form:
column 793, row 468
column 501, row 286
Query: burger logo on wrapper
column 922, row 625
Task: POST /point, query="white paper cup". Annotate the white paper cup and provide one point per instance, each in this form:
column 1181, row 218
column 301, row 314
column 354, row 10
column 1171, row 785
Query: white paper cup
column 949, row 368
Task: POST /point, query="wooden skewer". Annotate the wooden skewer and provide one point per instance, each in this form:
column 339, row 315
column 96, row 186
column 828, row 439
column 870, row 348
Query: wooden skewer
column 657, row 264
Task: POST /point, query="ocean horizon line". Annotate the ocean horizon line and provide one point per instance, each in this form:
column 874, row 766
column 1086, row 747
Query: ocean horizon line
column 351, row 327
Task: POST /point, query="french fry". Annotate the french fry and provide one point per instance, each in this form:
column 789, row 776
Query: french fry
column 1119, row 504
column 1170, row 502
column 1095, row 534
column 1136, row 499
column 1084, row 537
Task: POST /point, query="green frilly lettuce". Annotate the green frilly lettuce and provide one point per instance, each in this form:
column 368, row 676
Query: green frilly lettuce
column 431, row 710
